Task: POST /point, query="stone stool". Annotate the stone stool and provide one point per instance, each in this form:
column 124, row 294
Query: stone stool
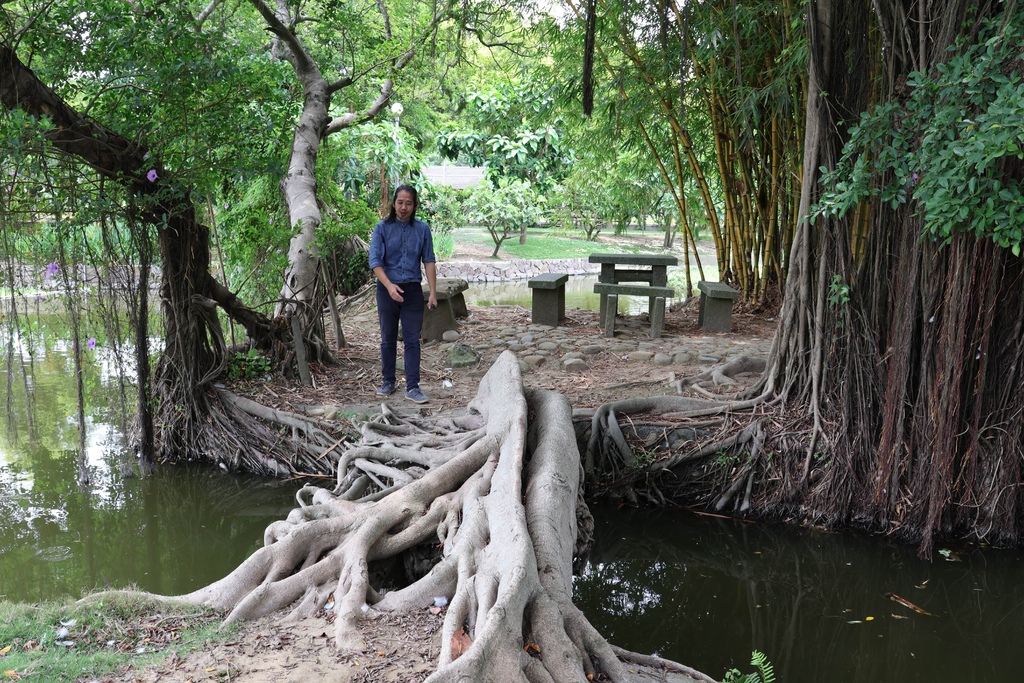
column 716, row 306
column 548, row 298
column 451, row 304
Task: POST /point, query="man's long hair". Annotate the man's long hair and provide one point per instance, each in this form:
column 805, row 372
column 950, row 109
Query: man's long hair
column 415, row 202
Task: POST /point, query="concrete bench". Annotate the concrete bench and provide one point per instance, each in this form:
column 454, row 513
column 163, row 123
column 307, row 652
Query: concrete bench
column 548, row 291
column 610, row 294
column 451, row 304
column 715, row 314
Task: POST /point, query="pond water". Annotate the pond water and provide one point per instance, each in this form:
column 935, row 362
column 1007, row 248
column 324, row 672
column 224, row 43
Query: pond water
column 701, row 590
column 579, row 293
column 709, row 591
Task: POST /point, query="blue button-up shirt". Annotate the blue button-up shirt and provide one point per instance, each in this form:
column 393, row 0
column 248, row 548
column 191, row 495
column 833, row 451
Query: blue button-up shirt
column 400, row 248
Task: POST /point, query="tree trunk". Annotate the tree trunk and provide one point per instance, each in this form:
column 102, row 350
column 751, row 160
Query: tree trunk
column 193, row 422
column 908, row 378
column 304, row 290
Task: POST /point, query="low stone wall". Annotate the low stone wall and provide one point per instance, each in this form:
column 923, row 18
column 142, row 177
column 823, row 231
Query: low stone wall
column 471, row 271
column 499, row 271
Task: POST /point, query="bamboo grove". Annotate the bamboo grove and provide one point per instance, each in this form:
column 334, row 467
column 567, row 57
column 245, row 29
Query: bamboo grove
column 716, row 92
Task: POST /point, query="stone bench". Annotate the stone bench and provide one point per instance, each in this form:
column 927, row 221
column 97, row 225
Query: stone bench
column 548, row 292
column 610, row 294
column 716, row 299
column 451, row 304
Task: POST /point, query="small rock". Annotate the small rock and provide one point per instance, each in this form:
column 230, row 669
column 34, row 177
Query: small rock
column 547, row 346
column 576, row 365
column 592, row 349
column 534, row 360
column 708, row 358
column 682, row 358
column 621, row 348
column 462, row 356
column 640, row 355
column 525, row 367
column 571, row 355
column 662, row 359
column 450, row 335
column 527, row 338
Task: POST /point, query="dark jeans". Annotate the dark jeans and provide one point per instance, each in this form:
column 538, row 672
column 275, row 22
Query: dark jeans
column 410, row 313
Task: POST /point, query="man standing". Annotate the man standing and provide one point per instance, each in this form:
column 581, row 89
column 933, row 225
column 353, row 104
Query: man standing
column 398, row 246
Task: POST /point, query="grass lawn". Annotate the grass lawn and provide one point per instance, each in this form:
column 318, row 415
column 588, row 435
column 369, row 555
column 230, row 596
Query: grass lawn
column 543, row 243
column 67, row 641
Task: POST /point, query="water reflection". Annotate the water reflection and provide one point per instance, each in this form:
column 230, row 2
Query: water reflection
column 707, row 592
column 170, row 533
column 579, row 293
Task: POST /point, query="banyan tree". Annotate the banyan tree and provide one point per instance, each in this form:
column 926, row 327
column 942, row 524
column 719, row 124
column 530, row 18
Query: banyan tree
column 887, row 402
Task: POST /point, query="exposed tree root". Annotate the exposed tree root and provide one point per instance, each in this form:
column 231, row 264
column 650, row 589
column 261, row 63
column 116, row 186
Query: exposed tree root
column 720, row 375
column 497, row 493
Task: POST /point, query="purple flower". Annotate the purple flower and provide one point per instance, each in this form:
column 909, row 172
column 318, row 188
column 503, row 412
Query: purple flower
column 151, row 176
column 91, row 344
column 278, row 251
column 913, row 179
column 271, row 220
column 51, row 270
column 146, row 155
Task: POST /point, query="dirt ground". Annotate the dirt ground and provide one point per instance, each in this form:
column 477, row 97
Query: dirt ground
column 399, row 649
column 404, row 648
column 615, row 368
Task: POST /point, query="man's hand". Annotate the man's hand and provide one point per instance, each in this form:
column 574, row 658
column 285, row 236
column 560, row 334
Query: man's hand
column 395, row 292
column 432, row 301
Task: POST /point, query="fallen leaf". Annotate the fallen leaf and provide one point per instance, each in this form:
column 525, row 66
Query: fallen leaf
column 460, row 643
column 11, row 675
column 5, row 651
column 532, row 649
